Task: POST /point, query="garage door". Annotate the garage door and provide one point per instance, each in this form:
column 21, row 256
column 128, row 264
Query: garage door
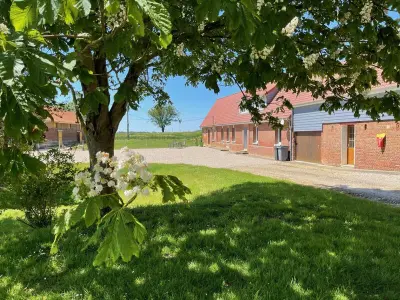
column 308, row 146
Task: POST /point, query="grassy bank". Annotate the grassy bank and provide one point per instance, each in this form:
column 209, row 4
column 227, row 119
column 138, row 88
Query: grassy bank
column 241, row 236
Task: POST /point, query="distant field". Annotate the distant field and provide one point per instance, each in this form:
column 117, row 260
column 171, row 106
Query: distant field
column 140, row 140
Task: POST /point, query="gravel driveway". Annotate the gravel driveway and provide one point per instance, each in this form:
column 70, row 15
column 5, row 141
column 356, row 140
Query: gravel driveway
column 374, row 185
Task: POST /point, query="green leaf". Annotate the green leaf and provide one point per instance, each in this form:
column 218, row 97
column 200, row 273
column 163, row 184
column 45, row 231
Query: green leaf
column 92, row 101
column 135, row 17
column 108, row 251
column 84, row 6
column 126, row 244
column 32, row 164
column 70, row 61
column 92, row 212
column 112, row 6
column 48, row 11
column 159, row 15
column 139, row 232
column 165, row 39
column 23, row 14
column 70, row 11
column 36, row 35
column 10, row 68
column 124, row 93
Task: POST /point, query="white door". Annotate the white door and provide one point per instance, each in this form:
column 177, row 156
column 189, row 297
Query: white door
column 244, row 138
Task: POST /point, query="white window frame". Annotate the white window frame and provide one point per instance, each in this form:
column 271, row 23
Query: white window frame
column 256, row 141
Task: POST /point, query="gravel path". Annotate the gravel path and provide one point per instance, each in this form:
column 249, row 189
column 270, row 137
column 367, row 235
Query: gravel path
column 374, row 185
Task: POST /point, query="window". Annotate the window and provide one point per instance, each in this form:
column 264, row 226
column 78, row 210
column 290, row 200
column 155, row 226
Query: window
column 233, row 134
column 227, row 134
column 255, row 135
column 222, row 133
column 213, row 134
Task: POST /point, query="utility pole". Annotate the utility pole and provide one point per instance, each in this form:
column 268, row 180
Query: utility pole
column 127, row 121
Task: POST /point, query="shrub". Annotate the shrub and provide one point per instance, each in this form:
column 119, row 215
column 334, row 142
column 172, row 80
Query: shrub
column 38, row 194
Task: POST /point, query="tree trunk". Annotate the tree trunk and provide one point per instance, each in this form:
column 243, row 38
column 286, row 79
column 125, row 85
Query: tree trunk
column 100, row 141
column 162, row 129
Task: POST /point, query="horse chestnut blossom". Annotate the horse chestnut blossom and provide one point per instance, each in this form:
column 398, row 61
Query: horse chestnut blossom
column 289, row 29
column 308, row 61
column 128, row 175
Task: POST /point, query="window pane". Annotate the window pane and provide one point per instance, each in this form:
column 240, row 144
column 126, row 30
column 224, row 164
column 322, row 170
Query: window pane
column 233, row 134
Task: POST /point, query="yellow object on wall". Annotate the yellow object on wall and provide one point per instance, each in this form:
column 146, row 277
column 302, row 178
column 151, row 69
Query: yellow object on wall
column 381, row 135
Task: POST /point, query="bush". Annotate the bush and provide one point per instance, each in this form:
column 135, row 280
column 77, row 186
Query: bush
column 38, row 195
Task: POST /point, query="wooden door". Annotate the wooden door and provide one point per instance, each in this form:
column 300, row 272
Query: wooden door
column 244, row 138
column 350, row 144
column 308, row 146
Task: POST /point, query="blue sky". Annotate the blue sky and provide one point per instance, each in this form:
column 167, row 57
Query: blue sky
column 193, row 103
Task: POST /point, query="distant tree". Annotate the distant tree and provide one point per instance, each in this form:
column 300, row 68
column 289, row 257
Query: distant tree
column 163, row 115
column 68, row 106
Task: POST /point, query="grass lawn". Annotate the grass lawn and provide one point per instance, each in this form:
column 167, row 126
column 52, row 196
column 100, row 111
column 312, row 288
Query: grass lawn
column 140, row 140
column 241, row 236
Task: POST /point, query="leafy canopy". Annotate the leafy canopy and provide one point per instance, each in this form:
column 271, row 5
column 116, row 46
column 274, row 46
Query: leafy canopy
column 163, row 115
column 110, row 54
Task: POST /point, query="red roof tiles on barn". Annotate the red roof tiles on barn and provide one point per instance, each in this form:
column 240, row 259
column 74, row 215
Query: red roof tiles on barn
column 65, row 117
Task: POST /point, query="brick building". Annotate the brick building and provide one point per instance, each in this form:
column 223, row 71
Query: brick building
column 63, row 129
column 337, row 139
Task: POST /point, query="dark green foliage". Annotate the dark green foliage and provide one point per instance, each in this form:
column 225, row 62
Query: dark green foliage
column 39, row 193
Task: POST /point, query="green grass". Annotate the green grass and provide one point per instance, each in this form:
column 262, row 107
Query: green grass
column 140, row 140
column 241, row 236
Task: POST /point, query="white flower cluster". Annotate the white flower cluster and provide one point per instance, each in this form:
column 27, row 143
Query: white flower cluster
column 366, row 12
column 127, row 174
column 308, row 61
column 217, row 67
column 4, row 29
column 260, row 4
column 262, row 54
column 347, row 16
column 179, row 50
column 116, row 20
column 380, row 48
column 354, row 77
column 290, row 27
column 201, row 27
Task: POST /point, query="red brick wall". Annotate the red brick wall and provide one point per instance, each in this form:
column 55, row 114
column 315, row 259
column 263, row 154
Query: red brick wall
column 69, row 135
column 331, row 144
column 367, row 153
column 266, row 139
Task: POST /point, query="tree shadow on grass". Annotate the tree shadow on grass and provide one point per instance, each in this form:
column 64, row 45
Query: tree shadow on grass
column 253, row 240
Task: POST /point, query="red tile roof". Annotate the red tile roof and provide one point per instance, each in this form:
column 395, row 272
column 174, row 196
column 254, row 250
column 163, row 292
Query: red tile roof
column 225, row 111
column 66, row 117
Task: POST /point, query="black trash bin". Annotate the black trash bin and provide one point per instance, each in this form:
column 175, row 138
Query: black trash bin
column 281, row 152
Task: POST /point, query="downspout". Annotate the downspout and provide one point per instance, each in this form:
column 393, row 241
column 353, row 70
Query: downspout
column 291, row 136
